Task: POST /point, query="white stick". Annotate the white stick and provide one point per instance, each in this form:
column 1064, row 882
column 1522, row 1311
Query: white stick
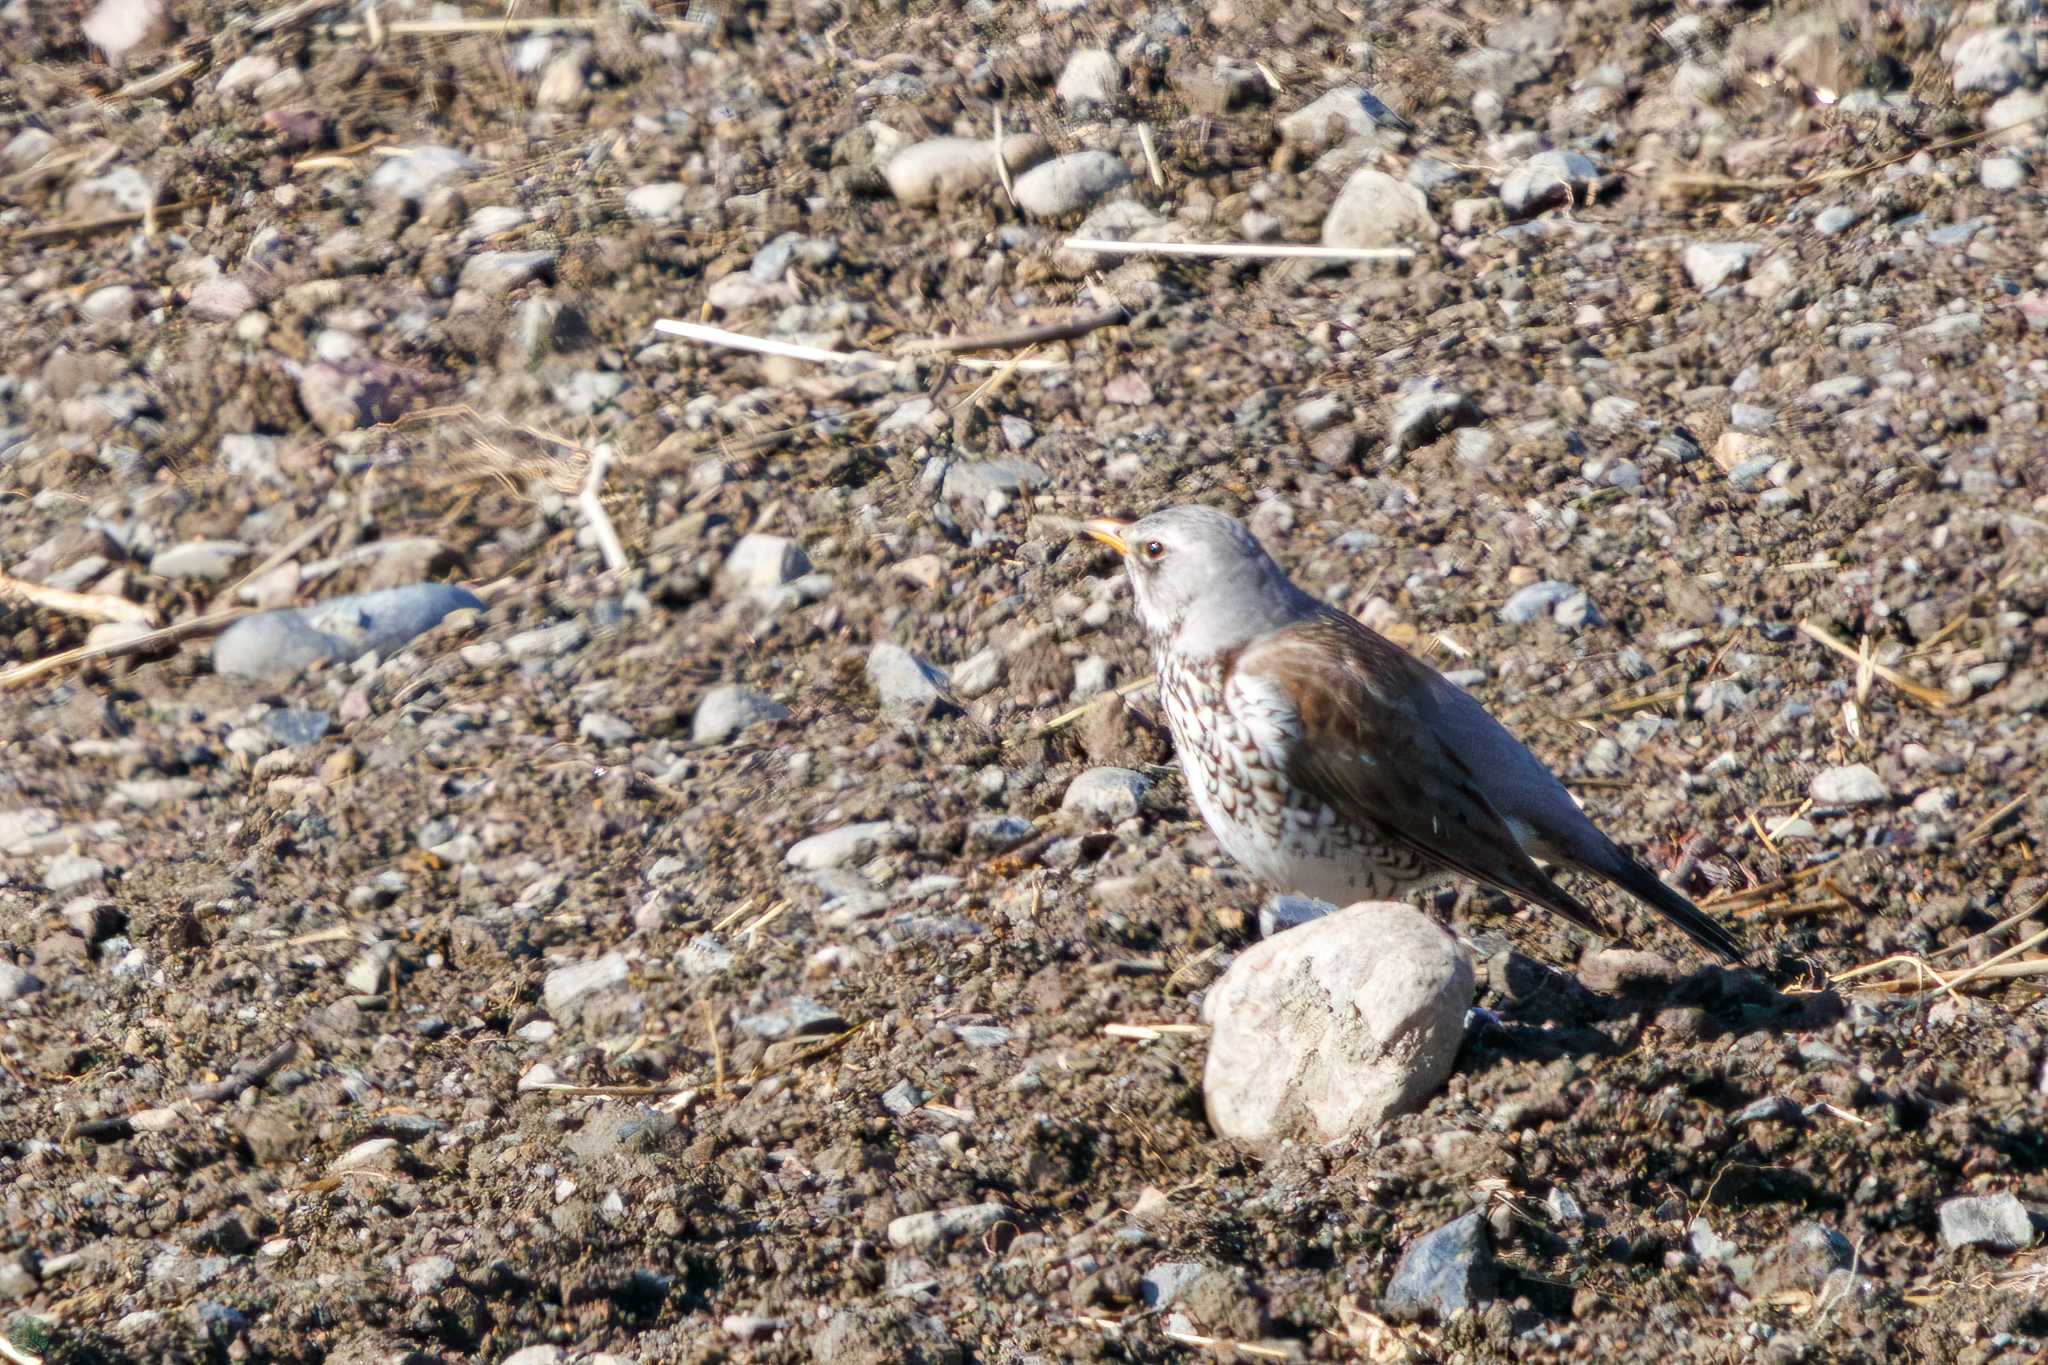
column 740, row 341
column 1002, row 165
column 443, row 28
column 1026, row 365
column 98, row 605
column 1151, row 155
column 1243, row 250
column 591, row 500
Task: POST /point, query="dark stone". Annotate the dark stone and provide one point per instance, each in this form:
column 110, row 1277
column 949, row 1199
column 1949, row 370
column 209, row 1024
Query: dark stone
column 1447, row 1271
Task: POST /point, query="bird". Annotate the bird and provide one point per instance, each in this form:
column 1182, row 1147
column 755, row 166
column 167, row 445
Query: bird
column 1329, row 761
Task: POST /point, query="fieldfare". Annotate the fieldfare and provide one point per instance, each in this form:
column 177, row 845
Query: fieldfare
column 1329, row 761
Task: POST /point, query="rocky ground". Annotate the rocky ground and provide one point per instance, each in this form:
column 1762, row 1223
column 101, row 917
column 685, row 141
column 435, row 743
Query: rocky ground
column 712, row 958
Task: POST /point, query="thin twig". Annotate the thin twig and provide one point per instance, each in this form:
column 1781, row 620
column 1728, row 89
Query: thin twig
column 22, row 674
column 155, row 81
column 321, row 525
column 1152, row 1033
column 1243, row 1348
column 1926, row 696
column 1630, row 705
column 591, row 501
column 2018, row 916
column 1763, row 891
column 1066, row 718
column 288, row 16
column 1033, row 366
column 99, row 606
column 78, row 226
column 740, row 341
column 1022, row 337
column 1188, row 968
column 1793, row 911
column 561, row 23
column 717, row 1049
column 1984, row 968
column 1002, row 163
column 768, row 917
column 244, row 1077
column 1982, row 829
column 733, row 916
column 1251, row 251
column 2004, row 971
column 618, row 1091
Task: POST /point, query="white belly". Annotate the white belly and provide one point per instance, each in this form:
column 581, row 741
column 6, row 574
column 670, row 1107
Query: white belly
column 1285, row 838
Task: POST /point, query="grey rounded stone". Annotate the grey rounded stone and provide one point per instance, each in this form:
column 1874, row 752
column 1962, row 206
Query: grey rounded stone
column 1346, row 112
column 847, row 844
column 501, row 272
column 1069, row 184
column 943, row 1226
column 1852, row 784
column 1092, row 76
column 726, row 710
column 1995, row 60
column 1444, row 1272
column 276, row 645
column 1548, row 179
column 1709, row 265
column 1832, row 221
column 209, row 559
column 949, row 167
column 1537, row 601
column 1374, row 209
column 659, row 200
column 1106, row 794
column 902, row 681
column 407, row 179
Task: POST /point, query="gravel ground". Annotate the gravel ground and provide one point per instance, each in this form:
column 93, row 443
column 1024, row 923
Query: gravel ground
column 702, row 961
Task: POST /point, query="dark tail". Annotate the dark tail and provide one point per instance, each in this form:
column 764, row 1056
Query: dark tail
column 1644, row 885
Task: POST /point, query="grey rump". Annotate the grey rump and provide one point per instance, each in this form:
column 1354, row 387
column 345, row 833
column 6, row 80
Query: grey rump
column 1329, row 761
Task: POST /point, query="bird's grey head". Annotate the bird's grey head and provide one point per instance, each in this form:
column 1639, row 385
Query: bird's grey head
column 1202, row 581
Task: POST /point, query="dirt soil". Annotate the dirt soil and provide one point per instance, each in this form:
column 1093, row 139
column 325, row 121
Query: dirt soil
column 461, row 1004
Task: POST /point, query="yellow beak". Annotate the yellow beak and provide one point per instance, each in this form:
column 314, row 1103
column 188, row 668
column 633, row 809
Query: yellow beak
column 1108, row 530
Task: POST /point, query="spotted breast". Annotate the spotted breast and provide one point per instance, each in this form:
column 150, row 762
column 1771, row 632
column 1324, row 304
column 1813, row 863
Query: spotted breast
column 1233, row 737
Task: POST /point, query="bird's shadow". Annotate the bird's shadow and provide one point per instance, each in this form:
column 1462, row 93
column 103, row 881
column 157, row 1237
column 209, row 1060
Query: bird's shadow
column 1539, row 1013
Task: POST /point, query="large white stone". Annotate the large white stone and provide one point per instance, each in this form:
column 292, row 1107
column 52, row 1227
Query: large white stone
column 1335, row 1026
column 951, row 167
column 125, row 28
column 1070, row 183
column 1092, row 76
column 1374, row 209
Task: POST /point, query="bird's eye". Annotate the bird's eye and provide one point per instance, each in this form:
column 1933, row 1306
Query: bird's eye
column 1153, row 549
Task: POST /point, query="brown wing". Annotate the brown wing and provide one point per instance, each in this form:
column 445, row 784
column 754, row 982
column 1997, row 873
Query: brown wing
column 1368, row 750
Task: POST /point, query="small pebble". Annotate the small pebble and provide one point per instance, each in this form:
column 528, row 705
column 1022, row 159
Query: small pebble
column 947, row 1226
column 725, row 711
column 1855, row 784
